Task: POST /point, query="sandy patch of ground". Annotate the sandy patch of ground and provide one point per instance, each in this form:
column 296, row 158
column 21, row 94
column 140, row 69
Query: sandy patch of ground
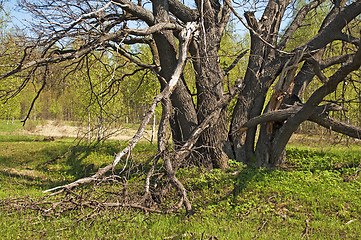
column 62, row 129
column 55, row 129
column 323, row 140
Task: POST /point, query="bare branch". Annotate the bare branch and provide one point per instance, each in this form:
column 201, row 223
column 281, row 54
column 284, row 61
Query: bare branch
column 128, row 56
column 185, row 38
column 65, row 56
column 282, row 115
column 325, row 63
column 336, row 125
column 37, row 96
column 181, row 11
column 348, row 38
column 85, row 16
column 252, row 30
column 136, row 10
column 317, row 69
column 234, row 63
column 331, row 30
column 153, row 29
column 167, row 161
column 161, row 140
column 224, row 18
column 297, row 22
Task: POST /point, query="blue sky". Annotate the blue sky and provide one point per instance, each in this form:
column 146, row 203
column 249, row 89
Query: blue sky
column 18, row 18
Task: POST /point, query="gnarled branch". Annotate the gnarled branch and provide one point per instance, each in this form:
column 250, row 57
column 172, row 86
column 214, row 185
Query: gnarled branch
column 185, row 38
column 284, row 114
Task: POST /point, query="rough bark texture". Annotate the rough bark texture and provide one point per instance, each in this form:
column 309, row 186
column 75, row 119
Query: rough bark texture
column 184, row 118
column 265, row 64
column 258, row 78
column 209, row 82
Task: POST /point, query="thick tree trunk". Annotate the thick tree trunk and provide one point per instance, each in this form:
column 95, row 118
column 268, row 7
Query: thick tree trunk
column 263, row 67
column 210, row 90
column 184, row 117
column 209, row 83
column 270, row 150
column 257, row 81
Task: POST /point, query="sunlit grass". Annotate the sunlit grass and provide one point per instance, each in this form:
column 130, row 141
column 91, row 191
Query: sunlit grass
column 316, row 195
column 8, row 126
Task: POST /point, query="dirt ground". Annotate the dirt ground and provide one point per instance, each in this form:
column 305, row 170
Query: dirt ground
column 60, row 129
column 52, row 128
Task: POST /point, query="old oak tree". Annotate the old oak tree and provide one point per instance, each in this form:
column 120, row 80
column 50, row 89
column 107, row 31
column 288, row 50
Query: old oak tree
column 205, row 130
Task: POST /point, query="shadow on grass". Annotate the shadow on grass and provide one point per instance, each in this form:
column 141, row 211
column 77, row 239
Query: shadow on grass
column 228, row 188
column 245, row 177
column 18, row 138
column 79, row 168
column 48, row 164
column 24, row 179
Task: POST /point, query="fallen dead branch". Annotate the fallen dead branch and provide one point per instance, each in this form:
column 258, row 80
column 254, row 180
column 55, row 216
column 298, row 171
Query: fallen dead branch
column 185, row 37
column 70, row 197
column 75, row 198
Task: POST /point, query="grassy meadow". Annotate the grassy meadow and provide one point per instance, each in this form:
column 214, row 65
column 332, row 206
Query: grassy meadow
column 316, row 195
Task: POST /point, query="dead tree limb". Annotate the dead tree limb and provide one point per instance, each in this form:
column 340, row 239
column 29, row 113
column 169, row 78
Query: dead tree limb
column 161, row 140
column 171, row 171
column 184, row 151
column 319, row 116
column 185, row 37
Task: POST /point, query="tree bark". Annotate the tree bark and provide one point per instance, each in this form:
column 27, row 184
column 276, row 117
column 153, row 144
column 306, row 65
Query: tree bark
column 259, row 77
column 184, row 118
column 209, row 83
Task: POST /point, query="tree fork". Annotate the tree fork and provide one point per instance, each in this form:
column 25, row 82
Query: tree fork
column 185, row 38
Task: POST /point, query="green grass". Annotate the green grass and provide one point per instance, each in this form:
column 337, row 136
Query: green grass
column 315, row 196
column 9, row 126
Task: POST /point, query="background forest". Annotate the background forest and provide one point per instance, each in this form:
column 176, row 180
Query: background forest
column 82, row 96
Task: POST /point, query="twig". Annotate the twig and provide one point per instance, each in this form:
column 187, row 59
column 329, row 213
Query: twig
column 228, row 2
column 133, row 205
column 306, row 229
column 155, row 28
column 264, row 224
column 37, row 96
